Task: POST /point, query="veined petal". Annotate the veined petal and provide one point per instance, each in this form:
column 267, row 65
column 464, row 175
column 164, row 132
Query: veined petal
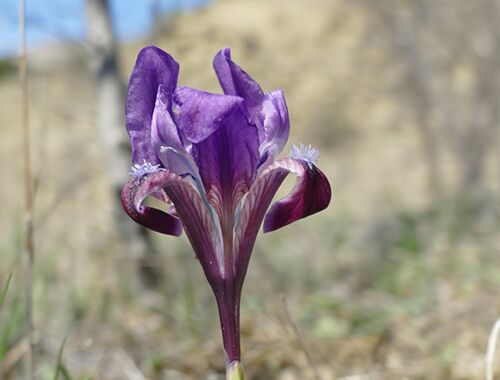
column 153, row 68
column 254, row 207
column 200, row 227
column 224, row 144
column 235, row 81
column 135, row 192
column 311, row 194
column 227, row 161
column 190, row 208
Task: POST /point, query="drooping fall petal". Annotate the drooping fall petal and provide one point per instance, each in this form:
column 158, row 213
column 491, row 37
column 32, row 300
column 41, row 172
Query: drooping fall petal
column 153, row 68
column 135, row 192
column 252, row 212
column 311, row 194
column 190, row 208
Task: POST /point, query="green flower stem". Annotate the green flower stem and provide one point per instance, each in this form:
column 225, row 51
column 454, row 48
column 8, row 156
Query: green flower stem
column 234, row 371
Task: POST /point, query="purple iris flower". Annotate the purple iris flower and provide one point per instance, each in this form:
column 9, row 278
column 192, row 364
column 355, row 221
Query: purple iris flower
column 212, row 159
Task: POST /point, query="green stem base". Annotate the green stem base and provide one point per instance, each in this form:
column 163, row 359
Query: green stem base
column 234, row 371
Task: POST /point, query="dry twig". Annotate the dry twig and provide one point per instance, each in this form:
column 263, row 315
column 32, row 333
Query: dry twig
column 29, row 247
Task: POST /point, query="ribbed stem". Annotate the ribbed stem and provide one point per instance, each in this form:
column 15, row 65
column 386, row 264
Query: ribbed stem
column 228, row 302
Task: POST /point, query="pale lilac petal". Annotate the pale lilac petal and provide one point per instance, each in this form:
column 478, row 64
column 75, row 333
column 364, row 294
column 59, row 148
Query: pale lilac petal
column 311, row 194
column 274, row 125
column 153, row 68
column 164, row 131
column 167, row 141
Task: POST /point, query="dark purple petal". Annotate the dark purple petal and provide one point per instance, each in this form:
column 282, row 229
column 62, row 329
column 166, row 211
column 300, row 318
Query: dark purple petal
column 224, row 143
column 153, row 68
column 311, row 194
column 274, row 125
column 135, row 192
column 199, row 114
column 235, row 81
column 227, row 161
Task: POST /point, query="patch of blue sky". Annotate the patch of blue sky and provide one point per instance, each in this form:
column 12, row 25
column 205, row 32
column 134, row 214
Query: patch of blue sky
column 61, row 20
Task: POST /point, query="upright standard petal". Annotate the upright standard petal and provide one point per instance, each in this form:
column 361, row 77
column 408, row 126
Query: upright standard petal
column 311, row 194
column 274, row 125
column 153, row 68
column 235, row 81
column 167, row 140
column 224, row 143
column 269, row 112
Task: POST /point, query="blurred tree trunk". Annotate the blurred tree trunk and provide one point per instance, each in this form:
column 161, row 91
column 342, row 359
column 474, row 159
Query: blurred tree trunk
column 480, row 134
column 111, row 126
column 405, row 34
column 157, row 18
column 450, row 56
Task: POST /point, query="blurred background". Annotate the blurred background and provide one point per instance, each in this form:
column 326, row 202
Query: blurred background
column 398, row 279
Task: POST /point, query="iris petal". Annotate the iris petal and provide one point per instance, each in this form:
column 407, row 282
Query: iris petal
column 235, row 81
column 153, row 68
column 167, row 140
column 254, row 207
column 189, row 207
column 135, row 192
column 198, row 114
column 224, row 143
column 275, row 125
column 269, row 112
column 311, row 194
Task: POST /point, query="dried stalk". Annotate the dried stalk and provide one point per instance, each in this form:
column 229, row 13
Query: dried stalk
column 490, row 353
column 29, row 247
column 300, row 339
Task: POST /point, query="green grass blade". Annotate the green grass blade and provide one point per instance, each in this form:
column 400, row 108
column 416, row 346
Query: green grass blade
column 60, row 367
column 65, row 373
column 4, row 291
